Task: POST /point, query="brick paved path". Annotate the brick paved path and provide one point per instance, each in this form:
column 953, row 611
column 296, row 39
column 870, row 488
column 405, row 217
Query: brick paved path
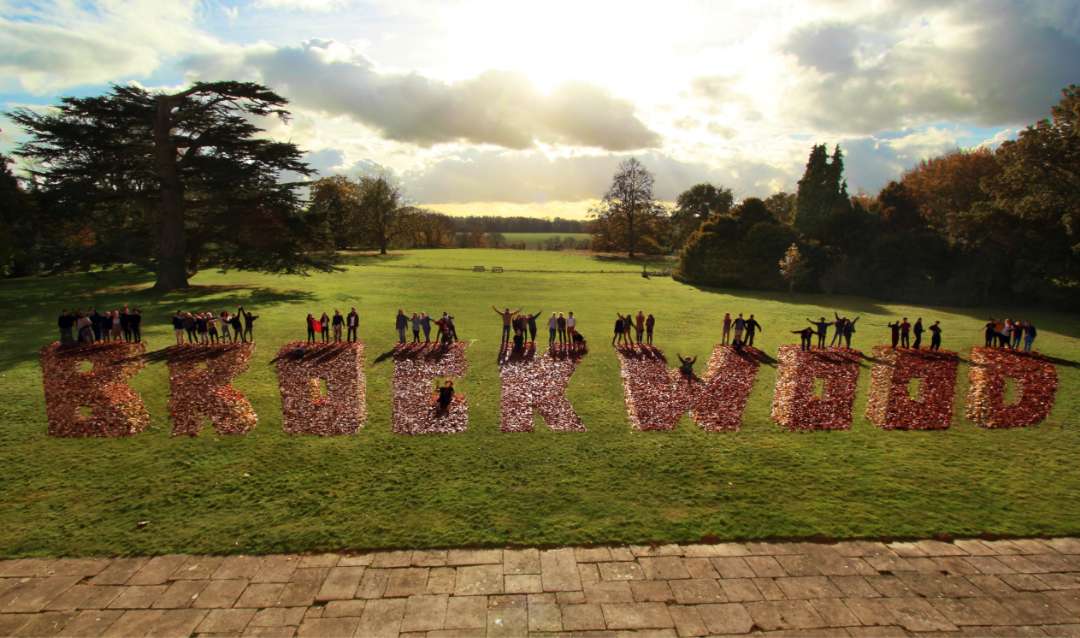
column 985, row 588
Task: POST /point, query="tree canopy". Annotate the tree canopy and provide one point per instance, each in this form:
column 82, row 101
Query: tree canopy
column 629, row 218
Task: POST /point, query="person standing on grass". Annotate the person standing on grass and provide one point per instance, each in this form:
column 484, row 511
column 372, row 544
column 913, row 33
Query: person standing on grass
column 312, row 327
column 401, row 322
column 1029, row 335
column 125, row 330
column 895, row 327
column 237, row 325
column 727, row 329
column 211, row 327
column 1018, row 333
column 225, row 336
column 905, row 333
column 571, row 327
column 352, row 322
column 338, row 321
column 618, row 336
column 425, row 325
column 324, row 328
column 178, row 328
column 453, row 327
column 560, row 325
column 822, row 328
column 507, row 321
column 628, row 326
column 639, row 326
column 917, row 329
column 202, row 327
column 935, row 336
column 805, row 338
column 650, row 322
column 136, row 325
column 83, row 331
column 117, row 331
column 752, row 326
column 249, row 324
column 989, row 333
column 553, row 327
column 65, row 322
column 849, row 329
column 414, row 322
column 530, row 321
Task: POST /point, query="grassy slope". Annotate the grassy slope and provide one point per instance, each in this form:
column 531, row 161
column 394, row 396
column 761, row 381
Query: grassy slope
column 270, row 492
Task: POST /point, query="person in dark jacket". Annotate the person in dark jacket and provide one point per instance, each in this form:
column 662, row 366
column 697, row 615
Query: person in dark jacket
column 352, row 322
column 806, row 336
column 135, row 323
column 66, row 323
column 324, row 323
column 445, row 398
column 1029, row 335
column 905, row 333
column 917, row 329
column 401, row 322
column 686, row 366
column 530, row 321
column 650, row 323
column 237, row 323
column 311, row 321
column 895, row 327
column 935, row 336
column 822, row 330
column 849, row 330
column 752, row 326
column 338, row 321
column 425, row 325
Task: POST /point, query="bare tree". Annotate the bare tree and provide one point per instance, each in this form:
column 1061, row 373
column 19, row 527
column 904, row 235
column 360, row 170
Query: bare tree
column 628, row 207
column 381, row 210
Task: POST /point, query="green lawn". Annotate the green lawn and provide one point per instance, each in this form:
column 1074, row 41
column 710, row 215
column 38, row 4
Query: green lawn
column 269, row 491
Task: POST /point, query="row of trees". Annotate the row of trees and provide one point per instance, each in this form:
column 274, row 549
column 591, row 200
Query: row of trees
column 967, row 227
column 518, row 224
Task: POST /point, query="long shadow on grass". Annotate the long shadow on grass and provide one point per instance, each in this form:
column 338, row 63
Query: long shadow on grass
column 31, row 305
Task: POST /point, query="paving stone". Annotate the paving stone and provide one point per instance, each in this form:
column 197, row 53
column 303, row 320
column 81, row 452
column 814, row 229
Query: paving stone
column 424, row 613
column 989, row 565
column 772, row 615
column 341, row 583
column 300, row 594
column 338, row 608
column 877, row 632
column 314, row 612
column 522, row 561
column 34, row 594
column 275, row 569
column 906, row 549
column 700, row 568
column 319, row 560
column 834, row 612
column 1066, row 599
column 636, row 616
column 27, row 568
column 85, row 597
column 621, row 571
column 971, row 611
column 1061, row 581
column 523, row 584
column 507, row 616
column 429, row 558
column 178, row 622
column 991, row 585
column 939, row 548
column 457, row 557
column 220, row 594
column 1024, row 582
column 1053, row 562
column 1022, row 565
column 608, row 591
column 261, row 595
column 237, row 567
column 570, row 597
column 225, row 620
column 87, row 624
column 592, row 554
column 546, row 598
column 651, row 591
column 955, row 565
column 589, row 573
column 373, row 583
column 582, row 617
column 768, row 588
column 726, row 618
column 740, row 590
column 718, row 549
column 559, row 570
column 277, row 617
column 1051, row 630
column 1065, row 545
column 771, row 549
column 732, row 567
column 1031, row 545
column 197, row 568
column 688, row 621
column 916, row 614
column 476, row 580
column 544, row 617
column 355, row 560
column 119, row 571
column 157, row 570
column 890, row 586
column 1034, row 609
column 808, row 587
column 328, row 627
column 49, row 623
column 466, row 612
column 134, row 622
column 938, row 585
column 441, row 580
column 854, row 586
column 861, row 548
column 620, row 554
column 269, row 632
column 382, row 618
column 798, row 565
column 697, row 591
column 974, row 547
column 664, row 568
column 409, row 581
column 180, row 594
column 138, row 597
column 764, row 566
column 656, row 550
column 388, row 560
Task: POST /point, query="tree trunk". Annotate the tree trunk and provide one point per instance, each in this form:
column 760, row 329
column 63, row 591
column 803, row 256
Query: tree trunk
column 172, row 241
column 630, row 237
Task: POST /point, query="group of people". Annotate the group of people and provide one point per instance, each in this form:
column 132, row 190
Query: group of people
column 739, row 332
column 1006, row 333
column 446, row 332
column 843, row 330
column 902, row 330
column 641, row 325
column 88, row 327
column 324, row 324
column 519, row 330
column 206, row 327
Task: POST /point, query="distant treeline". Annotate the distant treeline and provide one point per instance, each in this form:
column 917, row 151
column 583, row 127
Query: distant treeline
column 490, row 224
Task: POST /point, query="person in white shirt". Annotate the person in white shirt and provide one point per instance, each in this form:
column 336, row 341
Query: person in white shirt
column 571, row 327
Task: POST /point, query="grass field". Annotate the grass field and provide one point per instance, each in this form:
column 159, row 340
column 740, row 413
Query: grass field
column 269, row 491
column 536, row 240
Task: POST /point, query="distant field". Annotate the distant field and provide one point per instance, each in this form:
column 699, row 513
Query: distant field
column 536, row 240
column 271, row 492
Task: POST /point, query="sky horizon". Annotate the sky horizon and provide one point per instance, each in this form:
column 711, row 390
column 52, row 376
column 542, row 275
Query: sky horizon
column 485, row 107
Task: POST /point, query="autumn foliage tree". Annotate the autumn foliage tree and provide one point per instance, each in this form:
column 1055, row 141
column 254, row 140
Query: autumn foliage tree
column 629, row 218
column 175, row 181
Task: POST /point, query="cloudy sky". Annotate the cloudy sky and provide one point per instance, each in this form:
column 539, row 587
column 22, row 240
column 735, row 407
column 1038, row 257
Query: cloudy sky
column 526, row 108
